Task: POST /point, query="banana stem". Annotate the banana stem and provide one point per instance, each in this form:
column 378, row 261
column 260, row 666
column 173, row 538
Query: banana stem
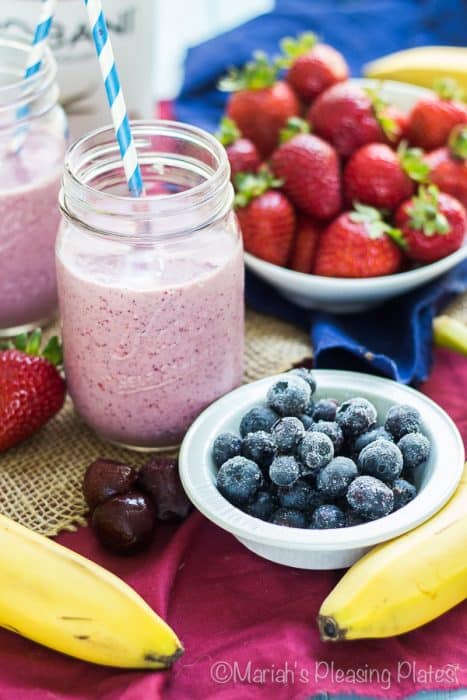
column 449, row 333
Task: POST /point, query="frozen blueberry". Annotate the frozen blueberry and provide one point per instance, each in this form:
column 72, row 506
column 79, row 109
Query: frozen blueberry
column 315, row 451
column 306, row 420
column 263, row 506
column 356, row 416
column 332, row 430
column 260, row 447
column 300, row 496
column 370, row 436
column 370, row 497
column 288, row 517
column 334, row 480
column 403, row 493
column 284, row 471
column 325, row 409
column 226, row 446
column 288, row 433
column 415, row 448
column 289, row 396
column 256, row 419
column 306, row 375
column 401, row 420
column 327, row 517
column 352, row 519
column 239, row 479
column 382, row 459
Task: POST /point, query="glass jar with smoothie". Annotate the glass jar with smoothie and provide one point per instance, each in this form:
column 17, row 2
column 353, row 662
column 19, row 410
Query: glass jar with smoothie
column 32, row 146
column 150, row 288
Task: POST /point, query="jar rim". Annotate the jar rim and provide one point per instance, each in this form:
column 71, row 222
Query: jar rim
column 20, row 91
column 79, row 196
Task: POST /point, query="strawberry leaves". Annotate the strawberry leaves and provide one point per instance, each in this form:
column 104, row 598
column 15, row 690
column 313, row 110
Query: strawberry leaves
column 31, row 344
column 257, row 74
column 425, row 215
column 373, row 222
column 411, row 160
column 458, row 142
column 293, row 126
column 249, row 186
column 448, row 89
column 294, row 48
column 228, row 132
column 380, row 105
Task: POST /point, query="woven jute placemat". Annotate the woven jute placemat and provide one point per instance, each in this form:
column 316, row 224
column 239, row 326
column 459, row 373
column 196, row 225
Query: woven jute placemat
column 40, row 481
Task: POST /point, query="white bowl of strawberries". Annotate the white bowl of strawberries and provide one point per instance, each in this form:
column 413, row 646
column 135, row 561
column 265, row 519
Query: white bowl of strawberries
column 361, row 200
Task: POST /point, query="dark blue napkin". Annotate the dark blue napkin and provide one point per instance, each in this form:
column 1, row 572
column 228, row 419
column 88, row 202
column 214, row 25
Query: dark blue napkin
column 395, row 339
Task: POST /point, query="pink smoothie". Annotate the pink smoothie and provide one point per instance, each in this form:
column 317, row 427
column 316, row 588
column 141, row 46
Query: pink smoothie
column 29, row 219
column 151, row 337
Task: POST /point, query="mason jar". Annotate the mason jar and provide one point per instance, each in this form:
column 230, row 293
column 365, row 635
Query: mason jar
column 150, row 288
column 32, row 147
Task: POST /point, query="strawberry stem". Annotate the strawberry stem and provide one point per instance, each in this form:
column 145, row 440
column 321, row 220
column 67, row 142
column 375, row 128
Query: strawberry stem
column 425, row 215
column 412, row 163
column 293, row 126
column 448, row 89
column 458, row 142
column 294, row 48
column 257, row 74
column 249, row 186
column 228, row 132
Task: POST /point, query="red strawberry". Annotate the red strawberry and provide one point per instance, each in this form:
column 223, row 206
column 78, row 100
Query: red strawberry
column 242, row 153
column 31, row 388
column 344, row 115
column 357, row 244
column 432, row 224
column 266, row 217
column 261, row 104
column 305, row 244
column 312, row 67
column 309, row 168
column 448, row 166
column 378, row 176
column 432, row 118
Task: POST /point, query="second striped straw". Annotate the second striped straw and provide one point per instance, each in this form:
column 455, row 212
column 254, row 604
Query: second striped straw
column 115, row 97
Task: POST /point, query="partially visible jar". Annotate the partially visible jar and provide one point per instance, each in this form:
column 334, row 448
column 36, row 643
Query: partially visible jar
column 33, row 140
column 150, row 288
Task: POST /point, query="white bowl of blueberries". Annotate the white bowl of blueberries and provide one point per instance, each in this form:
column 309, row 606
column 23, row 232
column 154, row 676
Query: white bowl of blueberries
column 312, row 468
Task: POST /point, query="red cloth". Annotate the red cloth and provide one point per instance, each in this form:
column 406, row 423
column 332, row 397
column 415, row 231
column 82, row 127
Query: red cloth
column 228, row 605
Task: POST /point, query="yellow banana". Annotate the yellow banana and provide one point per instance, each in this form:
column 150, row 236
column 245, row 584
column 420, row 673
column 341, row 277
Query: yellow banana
column 402, row 584
column 66, row 602
column 450, row 333
column 422, row 65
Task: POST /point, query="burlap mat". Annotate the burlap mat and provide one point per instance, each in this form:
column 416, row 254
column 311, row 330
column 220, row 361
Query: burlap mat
column 40, row 481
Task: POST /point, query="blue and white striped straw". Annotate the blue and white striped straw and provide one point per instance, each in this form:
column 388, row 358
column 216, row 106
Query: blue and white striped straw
column 40, row 37
column 115, row 96
column 34, row 63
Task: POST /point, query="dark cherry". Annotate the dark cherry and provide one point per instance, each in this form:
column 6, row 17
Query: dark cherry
column 104, row 479
column 125, row 524
column 160, row 480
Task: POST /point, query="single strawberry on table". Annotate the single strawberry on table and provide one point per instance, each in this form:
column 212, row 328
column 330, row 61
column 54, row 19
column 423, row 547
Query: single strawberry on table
column 358, row 244
column 260, row 103
column 310, row 170
column 305, row 245
column 381, row 177
column 32, row 390
column 432, row 224
column 312, row 66
column 448, row 165
column 266, row 217
column 349, row 116
column 242, row 153
column 432, row 118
